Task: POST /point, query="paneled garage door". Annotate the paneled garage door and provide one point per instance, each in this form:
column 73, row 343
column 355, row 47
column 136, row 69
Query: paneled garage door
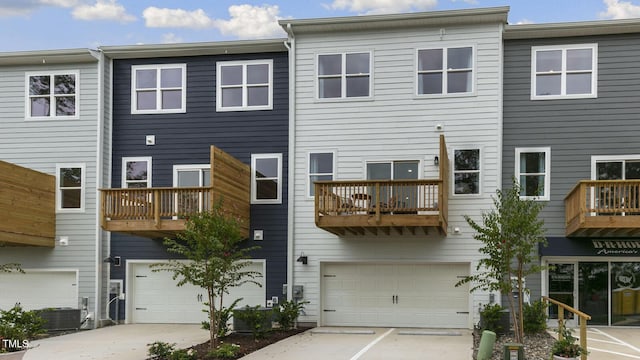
column 416, row 295
column 39, row 289
column 155, row 298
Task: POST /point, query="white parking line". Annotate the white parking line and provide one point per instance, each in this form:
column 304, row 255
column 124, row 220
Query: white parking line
column 617, row 340
column 370, row 345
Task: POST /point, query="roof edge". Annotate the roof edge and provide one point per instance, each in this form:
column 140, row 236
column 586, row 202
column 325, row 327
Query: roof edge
column 566, row 29
column 198, row 48
column 62, row 56
column 435, row 18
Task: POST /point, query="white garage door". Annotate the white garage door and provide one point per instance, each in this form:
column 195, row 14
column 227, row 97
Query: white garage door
column 39, row 289
column 420, row 295
column 155, row 298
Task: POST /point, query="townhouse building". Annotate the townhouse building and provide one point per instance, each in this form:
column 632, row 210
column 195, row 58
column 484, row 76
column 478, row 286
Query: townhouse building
column 396, row 125
column 570, row 138
column 53, row 157
column 193, row 124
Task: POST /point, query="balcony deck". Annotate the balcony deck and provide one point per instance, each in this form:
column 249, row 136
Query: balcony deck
column 162, row 212
column 358, row 207
column 27, row 207
column 603, row 208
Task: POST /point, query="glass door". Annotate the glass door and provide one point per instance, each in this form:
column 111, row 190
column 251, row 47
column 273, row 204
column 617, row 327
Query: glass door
column 593, row 291
column 192, row 176
column 561, row 287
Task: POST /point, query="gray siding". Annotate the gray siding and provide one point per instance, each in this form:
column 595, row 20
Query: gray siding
column 40, row 145
column 186, row 139
column 575, row 129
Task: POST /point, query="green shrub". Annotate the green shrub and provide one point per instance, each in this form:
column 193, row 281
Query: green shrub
column 535, row 317
column 490, row 317
column 223, row 316
column 19, row 326
column 287, row 313
column 259, row 321
column 160, row 350
column 225, row 351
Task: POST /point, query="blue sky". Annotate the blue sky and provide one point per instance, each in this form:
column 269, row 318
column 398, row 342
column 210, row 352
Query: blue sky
column 64, row 24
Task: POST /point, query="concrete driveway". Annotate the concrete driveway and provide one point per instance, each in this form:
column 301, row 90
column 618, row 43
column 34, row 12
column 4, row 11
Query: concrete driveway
column 122, row 342
column 370, row 343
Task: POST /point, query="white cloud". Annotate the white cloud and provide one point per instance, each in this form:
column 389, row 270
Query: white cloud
column 171, row 38
column 524, row 22
column 617, row 9
column 24, row 7
column 103, row 10
column 246, row 21
column 382, row 6
column 176, row 18
column 251, row 22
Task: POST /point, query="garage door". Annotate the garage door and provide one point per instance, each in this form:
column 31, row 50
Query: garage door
column 420, row 295
column 156, row 298
column 39, row 289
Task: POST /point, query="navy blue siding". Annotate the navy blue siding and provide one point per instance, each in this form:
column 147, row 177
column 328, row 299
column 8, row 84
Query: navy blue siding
column 574, row 129
column 186, row 139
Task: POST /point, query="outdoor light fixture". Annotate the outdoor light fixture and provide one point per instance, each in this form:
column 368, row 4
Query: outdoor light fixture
column 113, row 260
column 302, row 259
column 436, row 161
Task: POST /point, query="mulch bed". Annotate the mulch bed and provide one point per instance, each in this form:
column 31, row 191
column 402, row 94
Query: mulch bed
column 246, row 342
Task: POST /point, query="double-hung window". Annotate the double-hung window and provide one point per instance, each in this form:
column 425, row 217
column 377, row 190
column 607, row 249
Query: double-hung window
column 266, row 178
column 136, row 172
column 466, row 171
column 533, row 172
column 321, row 167
column 443, row 71
column 70, row 186
column 158, row 88
column 566, row 71
column 52, row 96
column 344, row 75
column 244, row 85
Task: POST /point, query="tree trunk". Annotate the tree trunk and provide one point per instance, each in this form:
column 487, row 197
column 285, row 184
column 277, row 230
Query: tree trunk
column 213, row 323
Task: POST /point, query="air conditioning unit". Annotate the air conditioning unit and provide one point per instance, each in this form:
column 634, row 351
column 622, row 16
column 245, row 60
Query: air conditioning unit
column 242, row 327
column 57, row 319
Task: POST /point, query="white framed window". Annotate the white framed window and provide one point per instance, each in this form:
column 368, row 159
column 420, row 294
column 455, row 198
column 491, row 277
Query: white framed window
column 158, row 88
column 136, row 172
column 564, row 71
column 533, row 172
column 615, row 167
column 467, row 176
column 445, row 71
column 244, row 85
column 321, row 167
column 70, row 187
column 344, row 75
column 52, row 95
column 266, row 178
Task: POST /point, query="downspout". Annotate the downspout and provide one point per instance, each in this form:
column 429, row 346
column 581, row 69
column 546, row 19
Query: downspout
column 97, row 313
column 291, row 46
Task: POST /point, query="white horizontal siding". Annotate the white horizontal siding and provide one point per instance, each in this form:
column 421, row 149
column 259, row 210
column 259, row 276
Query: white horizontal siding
column 394, row 125
column 40, row 145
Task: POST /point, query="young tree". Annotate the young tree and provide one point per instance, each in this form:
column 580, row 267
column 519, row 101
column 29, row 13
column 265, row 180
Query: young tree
column 211, row 242
column 510, row 234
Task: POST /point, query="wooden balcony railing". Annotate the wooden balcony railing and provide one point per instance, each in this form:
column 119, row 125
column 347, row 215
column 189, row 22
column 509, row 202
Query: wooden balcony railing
column 603, row 208
column 355, row 205
column 159, row 211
